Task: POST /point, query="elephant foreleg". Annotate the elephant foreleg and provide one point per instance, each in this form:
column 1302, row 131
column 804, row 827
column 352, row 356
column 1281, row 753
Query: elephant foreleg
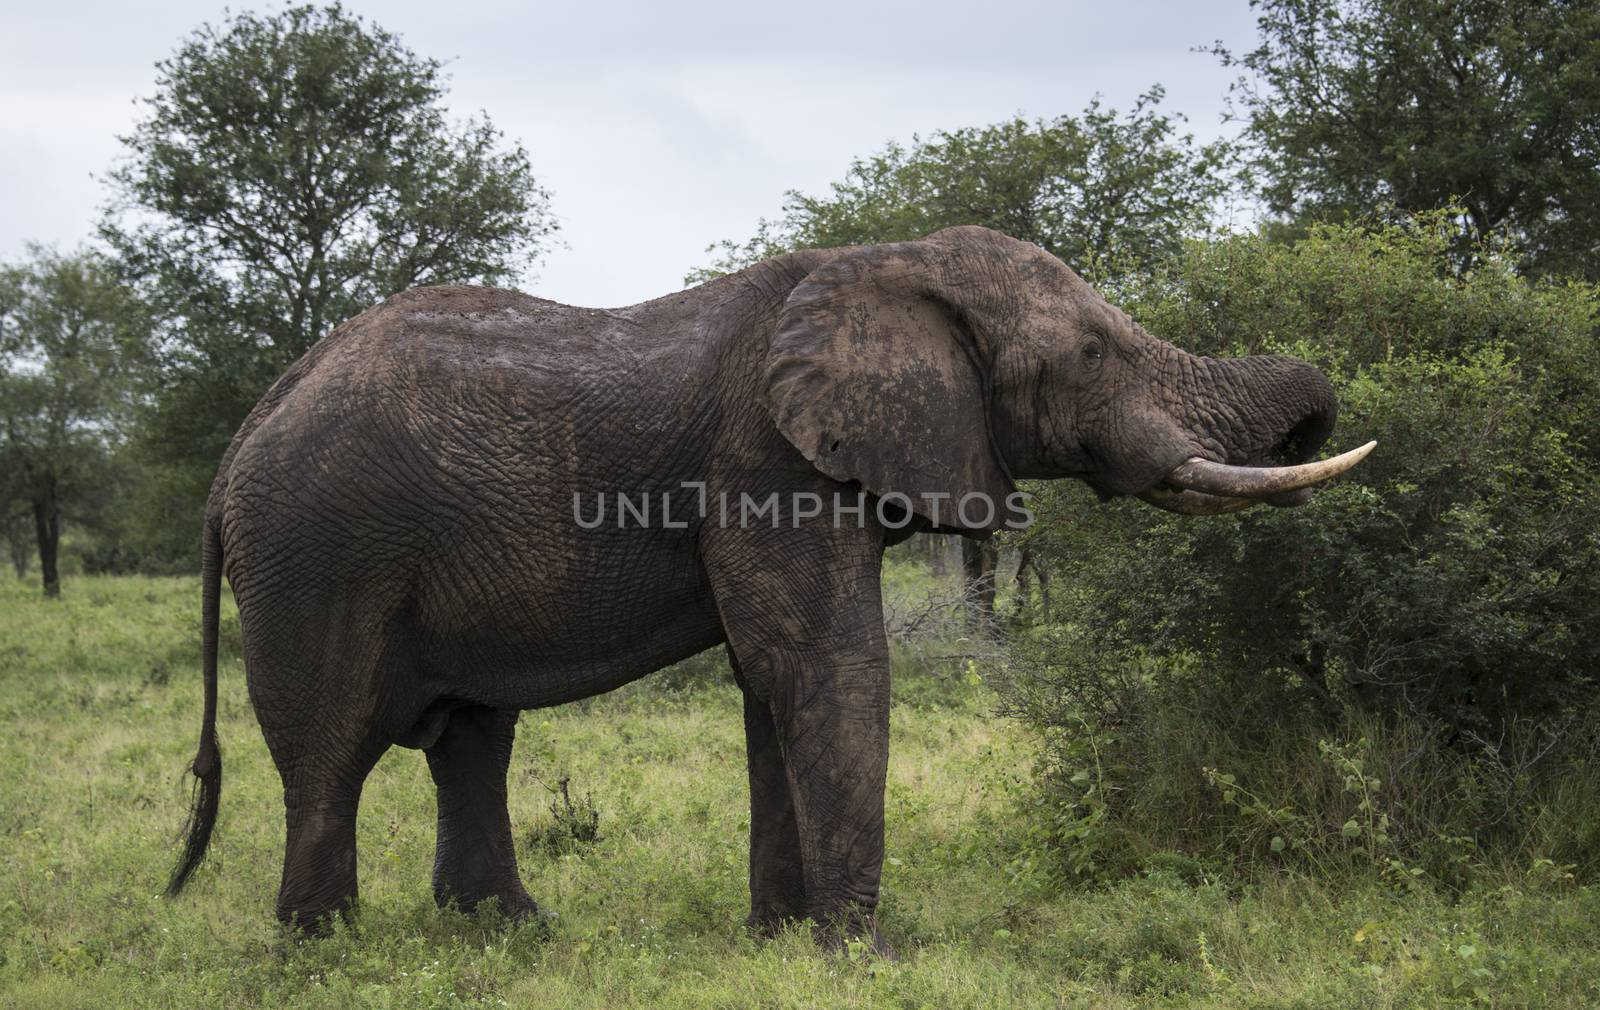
column 777, row 877
column 474, row 857
column 811, row 652
column 834, row 728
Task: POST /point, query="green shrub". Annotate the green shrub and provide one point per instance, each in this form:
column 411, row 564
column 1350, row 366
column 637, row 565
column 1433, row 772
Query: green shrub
column 574, row 826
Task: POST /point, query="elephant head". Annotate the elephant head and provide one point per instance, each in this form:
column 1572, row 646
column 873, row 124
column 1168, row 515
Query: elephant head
column 955, row 364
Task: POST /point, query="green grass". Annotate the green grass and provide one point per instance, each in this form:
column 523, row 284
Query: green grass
column 100, row 702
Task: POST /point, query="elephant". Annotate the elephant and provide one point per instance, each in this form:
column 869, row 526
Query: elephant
column 407, row 520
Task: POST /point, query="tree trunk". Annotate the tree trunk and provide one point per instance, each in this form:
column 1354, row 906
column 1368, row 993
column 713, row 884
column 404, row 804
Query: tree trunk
column 20, row 546
column 978, row 562
column 1043, row 571
column 1028, row 566
column 47, row 527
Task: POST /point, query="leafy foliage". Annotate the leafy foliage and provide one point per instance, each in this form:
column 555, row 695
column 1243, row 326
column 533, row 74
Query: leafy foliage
column 1084, row 187
column 293, row 169
column 1492, row 105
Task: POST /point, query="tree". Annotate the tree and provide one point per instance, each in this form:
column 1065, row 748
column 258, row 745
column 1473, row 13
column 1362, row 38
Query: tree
column 292, row 170
column 64, row 322
column 1490, row 105
column 1088, row 188
column 19, row 539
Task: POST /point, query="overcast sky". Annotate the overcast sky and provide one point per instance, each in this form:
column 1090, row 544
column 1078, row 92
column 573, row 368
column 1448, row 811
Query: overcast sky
column 658, row 127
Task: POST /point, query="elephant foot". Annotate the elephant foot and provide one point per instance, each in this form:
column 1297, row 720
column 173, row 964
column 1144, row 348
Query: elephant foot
column 317, row 920
column 883, row 950
column 852, row 930
column 837, row 941
column 836, row 938
column 768, row 921
column 516, row 905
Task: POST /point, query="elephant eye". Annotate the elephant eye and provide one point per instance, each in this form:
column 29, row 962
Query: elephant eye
column 1093, row 351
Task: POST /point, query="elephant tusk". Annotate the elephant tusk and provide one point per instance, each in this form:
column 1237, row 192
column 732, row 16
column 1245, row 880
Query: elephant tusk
column 1261, row 482
column 1194, row 503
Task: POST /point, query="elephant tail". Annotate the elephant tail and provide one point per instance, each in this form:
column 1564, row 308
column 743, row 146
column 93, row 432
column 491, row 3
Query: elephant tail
column 207, row 767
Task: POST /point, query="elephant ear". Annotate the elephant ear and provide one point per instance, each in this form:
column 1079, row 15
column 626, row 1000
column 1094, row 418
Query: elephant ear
column 874, row 375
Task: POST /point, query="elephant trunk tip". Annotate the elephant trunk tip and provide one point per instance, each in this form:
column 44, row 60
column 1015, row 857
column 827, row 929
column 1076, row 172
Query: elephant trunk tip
column 1305, row 435
column 1297, row 402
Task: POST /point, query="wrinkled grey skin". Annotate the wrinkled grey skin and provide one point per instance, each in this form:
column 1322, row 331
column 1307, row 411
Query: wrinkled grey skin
column 396, row 520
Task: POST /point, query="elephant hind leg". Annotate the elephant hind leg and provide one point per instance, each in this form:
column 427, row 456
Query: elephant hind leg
column 474, row 857
column 318, row 685
column 322, row 790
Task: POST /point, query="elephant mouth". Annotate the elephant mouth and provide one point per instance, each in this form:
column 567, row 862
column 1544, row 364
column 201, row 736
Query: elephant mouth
column 1199, row 486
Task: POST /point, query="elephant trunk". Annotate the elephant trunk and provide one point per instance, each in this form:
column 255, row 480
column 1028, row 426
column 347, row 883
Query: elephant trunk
column 1263, row 410
column 1260, row 419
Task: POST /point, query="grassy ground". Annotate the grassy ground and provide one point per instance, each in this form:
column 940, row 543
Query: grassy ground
column 99, row 709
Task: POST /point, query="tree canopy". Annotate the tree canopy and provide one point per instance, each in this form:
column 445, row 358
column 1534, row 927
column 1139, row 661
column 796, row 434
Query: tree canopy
column 1490, row 105
column 1084, row 187
column 291, row 170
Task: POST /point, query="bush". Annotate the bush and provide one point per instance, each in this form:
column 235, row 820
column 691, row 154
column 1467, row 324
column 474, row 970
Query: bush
column 574, row 826
column 1438, row 604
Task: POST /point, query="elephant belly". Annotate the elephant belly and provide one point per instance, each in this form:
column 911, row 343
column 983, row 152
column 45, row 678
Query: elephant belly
column 587, row 615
